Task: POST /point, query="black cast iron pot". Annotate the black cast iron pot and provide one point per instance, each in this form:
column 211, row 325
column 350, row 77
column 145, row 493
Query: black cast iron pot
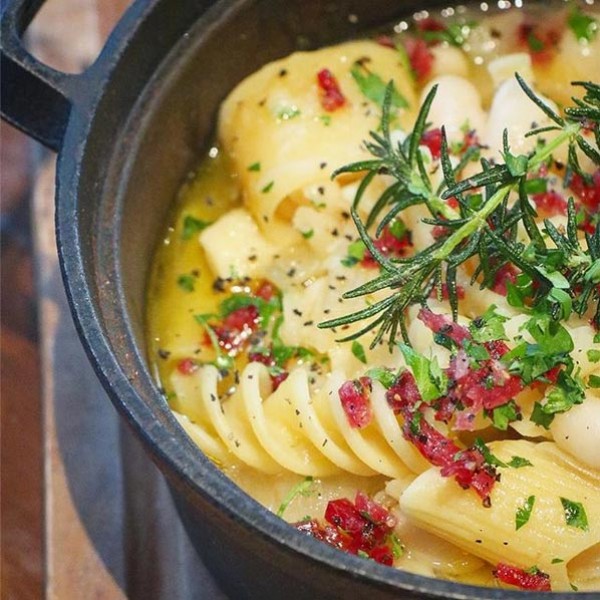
column 128, row 131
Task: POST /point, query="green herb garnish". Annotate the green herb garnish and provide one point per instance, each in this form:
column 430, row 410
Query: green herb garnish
column 222, row 361
column 518, row 462
column 384, row 376
column 192, row 226
column 429, row 377
column 540, row 417
column 268, row 187
column 524, row 513
column 489, row 327
column 535, row 43
column 583, row 26
column 374, row 88
column 356, row 253
column 486, row 231
column 304, row 488
column 455, row 34
column 593, row 355
column 286, row 113
column 504, row 415
column 397, row 547
column 359, row 352
column 594, row 381
column 575, row 515
column 186, row 282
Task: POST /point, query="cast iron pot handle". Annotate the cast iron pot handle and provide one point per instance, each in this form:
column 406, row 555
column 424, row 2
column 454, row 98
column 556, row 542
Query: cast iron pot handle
column 35, row 98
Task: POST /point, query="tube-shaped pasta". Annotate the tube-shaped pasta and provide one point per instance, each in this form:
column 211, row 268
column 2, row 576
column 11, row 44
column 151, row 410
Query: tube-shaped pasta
column 274, row 120
column 546, row 539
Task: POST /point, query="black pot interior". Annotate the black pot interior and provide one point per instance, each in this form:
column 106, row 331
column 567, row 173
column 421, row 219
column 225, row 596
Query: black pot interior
column 124, row 159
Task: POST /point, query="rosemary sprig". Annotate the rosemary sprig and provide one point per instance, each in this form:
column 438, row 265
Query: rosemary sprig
column 484, row 226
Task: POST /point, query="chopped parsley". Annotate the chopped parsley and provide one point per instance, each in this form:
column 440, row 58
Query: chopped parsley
column 308, row 234
column 540, row 417
column 192, row 226
column 524, row 513
column 397, row 547
column 575, row 515
column 268, row 187
column 222, row 361
column 517, row 293
column 489, row 327
column 303, row 488
column 398, row 228
column 374, row 88
column 489, row 458
column 266, row 308
column 593, row 355
column 254, row 167
column 286, row 113
column 505, row 414
column 560, row 398
column 384, row 376
column 583, row 26
column 476, row 352
column 537, row 185
column 431, row 381
column 517, row 164
column 356, row 253
column 564, row 395
column 594, row 381
column 551, row 347
column 282, row 353
column 535, row 43
column 186, row 282
column 455, row 34
column 359, row 352
column 326, row 120
column 518, row 462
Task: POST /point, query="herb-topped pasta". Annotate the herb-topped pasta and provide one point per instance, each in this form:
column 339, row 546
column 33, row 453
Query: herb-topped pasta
column 377, row 307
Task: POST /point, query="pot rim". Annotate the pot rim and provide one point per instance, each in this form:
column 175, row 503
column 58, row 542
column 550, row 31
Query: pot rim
column 162, row 436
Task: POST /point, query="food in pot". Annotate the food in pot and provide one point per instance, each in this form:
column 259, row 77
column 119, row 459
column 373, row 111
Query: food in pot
column 377, row 305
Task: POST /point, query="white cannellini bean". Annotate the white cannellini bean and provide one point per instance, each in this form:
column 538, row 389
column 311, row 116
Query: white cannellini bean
column 578, row 431
column 457, row 101
column 513, row 110
column 503, row 68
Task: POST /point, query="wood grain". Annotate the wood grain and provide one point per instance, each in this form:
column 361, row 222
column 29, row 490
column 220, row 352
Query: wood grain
column 20, row 417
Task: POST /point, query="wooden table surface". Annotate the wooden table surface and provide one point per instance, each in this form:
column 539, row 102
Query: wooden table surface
column 84, row 514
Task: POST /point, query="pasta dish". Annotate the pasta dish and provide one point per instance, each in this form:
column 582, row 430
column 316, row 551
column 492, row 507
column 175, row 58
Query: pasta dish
column 376, row 307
